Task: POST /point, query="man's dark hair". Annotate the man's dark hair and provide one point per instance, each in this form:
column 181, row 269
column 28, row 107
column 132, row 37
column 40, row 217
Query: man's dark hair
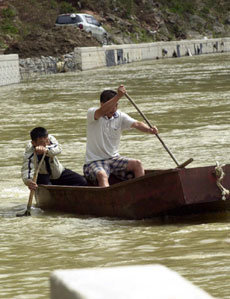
column 107, row 95
column 38, row 133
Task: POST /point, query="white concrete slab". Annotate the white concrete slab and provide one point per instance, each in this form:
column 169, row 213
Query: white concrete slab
column 128, row 282
column 9, row 69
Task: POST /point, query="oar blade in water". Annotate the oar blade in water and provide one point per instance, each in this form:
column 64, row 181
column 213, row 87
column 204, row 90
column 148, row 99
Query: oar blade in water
column 22, row 214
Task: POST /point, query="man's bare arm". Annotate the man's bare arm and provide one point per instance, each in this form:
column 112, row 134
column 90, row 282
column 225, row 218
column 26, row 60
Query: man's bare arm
column 110, row 105
column 144, row 128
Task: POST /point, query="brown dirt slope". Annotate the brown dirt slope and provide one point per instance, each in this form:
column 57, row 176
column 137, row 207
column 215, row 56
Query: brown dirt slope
column 53, row 42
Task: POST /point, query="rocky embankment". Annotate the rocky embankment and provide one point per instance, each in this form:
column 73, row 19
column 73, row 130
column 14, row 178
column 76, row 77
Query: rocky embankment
column 44, row 65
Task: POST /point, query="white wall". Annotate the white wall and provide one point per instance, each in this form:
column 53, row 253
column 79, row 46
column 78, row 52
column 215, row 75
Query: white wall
column 96, row 57
column 9, row 69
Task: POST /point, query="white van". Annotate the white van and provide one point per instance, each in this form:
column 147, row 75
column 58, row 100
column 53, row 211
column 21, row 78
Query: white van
column 85, row 22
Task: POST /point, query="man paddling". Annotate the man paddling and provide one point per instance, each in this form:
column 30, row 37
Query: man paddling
column 51, row 171
column 104, row 127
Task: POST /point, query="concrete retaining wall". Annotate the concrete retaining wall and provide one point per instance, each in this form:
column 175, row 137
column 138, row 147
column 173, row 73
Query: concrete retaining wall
column 9, row 69
column 96, row 57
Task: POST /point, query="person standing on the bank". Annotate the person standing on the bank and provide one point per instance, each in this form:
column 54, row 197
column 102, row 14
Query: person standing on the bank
column 104, row 128
column 51, row 171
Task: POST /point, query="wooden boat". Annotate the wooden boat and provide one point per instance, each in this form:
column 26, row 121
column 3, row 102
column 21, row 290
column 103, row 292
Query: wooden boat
column 159, row 192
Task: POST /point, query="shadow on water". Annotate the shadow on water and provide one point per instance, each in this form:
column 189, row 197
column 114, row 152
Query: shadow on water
column 189, row 219
column 205, row 218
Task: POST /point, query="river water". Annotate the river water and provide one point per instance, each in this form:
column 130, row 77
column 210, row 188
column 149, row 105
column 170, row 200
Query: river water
column 188, row 99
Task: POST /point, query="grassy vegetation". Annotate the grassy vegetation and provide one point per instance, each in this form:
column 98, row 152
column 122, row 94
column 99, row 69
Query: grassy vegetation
column 181, row 7
column 140, row 35
column 7, row 25
column 65, row 7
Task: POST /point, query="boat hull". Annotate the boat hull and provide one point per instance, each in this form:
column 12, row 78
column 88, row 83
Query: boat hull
column 157, row 193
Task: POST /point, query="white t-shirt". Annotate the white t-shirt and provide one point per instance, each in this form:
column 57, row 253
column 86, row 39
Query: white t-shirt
column 103, row 135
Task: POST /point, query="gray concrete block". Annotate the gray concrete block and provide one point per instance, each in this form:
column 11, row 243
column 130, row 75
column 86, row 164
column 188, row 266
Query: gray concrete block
column 9, row 69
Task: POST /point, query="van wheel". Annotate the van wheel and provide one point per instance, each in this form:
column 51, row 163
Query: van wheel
column 105, row 40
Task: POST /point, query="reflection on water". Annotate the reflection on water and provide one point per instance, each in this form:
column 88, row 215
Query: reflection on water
column 188, row 99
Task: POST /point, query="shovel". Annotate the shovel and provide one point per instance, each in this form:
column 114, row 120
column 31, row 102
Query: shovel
column 32, row 192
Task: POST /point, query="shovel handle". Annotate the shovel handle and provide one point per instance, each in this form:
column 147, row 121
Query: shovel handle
column 29, row 204
column 159, row 138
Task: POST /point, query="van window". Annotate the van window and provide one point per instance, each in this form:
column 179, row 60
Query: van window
column 66, row 19
column 91, row 20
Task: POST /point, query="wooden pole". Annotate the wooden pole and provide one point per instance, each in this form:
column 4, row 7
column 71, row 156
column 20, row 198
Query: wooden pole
column 159, row 138
column 32, row 192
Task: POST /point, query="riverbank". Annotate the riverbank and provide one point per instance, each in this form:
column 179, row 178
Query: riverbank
column 85, row 58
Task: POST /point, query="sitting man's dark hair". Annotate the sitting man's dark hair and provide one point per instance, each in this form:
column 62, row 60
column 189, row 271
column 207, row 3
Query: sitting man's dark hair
column 38, row 133
column 107, row 95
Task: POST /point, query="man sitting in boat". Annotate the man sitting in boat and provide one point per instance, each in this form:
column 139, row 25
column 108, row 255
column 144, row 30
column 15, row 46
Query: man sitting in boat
column 51, row 171
column 104, row 127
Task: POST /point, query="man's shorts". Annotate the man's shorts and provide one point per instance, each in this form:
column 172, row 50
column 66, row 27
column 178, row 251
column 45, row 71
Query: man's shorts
column 116, row 166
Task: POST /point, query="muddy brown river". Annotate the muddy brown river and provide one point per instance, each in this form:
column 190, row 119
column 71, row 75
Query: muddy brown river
column 188, row 99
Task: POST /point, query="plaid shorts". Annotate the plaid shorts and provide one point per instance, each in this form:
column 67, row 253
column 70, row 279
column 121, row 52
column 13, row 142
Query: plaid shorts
column 116, row 166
